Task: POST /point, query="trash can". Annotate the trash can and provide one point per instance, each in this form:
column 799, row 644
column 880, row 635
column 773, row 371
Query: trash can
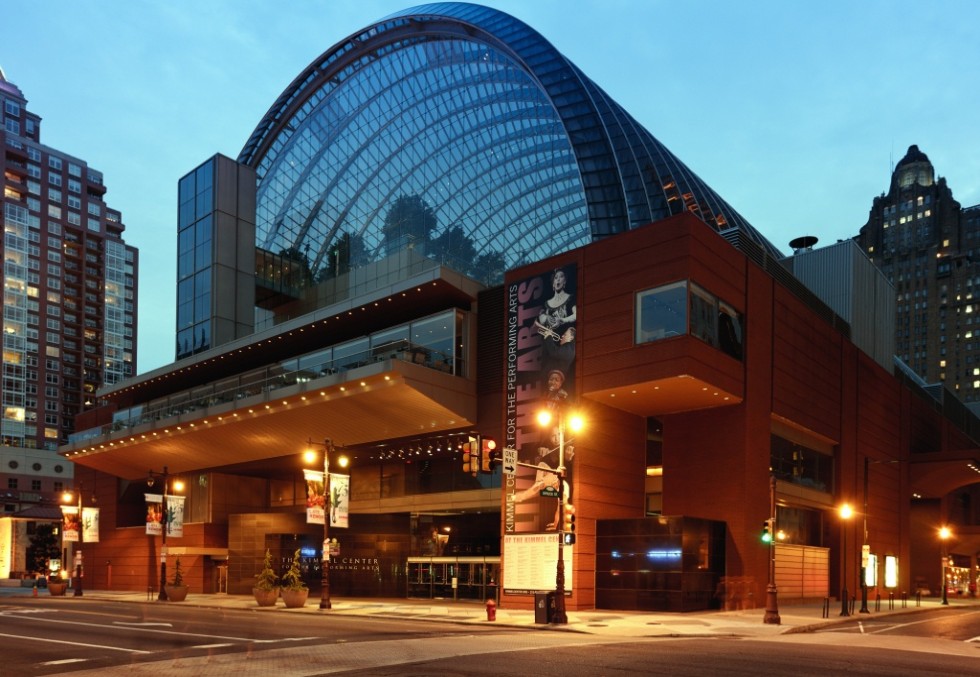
column 543, row 601
column 544, row 607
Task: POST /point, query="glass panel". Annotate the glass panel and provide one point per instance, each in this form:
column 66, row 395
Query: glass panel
column 704, row 316
column 661, row 312
column 435, row 335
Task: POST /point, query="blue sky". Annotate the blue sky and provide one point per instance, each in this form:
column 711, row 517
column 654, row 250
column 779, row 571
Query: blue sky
column 793, row 111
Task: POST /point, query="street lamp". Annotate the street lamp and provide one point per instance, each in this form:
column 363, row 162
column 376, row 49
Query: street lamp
column 944, row 534
column 164, row 526
column 771, row 616
column 575, row 423
column 310, row 457
column 865, row 549
column 845, row 514
column 68, row 499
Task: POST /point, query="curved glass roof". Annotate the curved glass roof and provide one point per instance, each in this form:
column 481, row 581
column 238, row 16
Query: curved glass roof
column 458, row 132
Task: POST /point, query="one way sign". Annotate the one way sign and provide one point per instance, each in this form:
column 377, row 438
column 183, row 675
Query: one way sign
column 510, row 461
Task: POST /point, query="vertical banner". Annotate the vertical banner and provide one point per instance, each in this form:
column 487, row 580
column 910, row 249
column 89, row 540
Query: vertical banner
column 542, row 315
column 339, row 504
column 315, row 499
column 90, row 525
column 154, row 514
column 175, row 516
column 71, row 524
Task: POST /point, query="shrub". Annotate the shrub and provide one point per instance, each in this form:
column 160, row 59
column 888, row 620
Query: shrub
column 267, row 579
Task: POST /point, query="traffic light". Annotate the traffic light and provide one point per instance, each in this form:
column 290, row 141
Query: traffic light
column 471, row 456
column 767, row 531
column 488, row 454
column 568, row 524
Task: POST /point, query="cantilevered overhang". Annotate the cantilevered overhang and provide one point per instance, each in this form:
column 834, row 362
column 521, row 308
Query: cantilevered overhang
column 936, row 474
column 669, row 395
column 383, row 400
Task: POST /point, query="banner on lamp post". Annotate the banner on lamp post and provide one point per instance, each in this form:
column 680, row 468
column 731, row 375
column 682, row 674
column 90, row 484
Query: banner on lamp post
column 154, row 514
column 155, row 517
column 175, row 516
column 71, row 524
column 90, row 525
column 315, row 497
column 339, row 504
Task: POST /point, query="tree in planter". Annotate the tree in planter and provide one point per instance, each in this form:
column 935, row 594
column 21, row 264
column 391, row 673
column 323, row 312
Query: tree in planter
column 177, row 591
column 294, row 590
column 266, row 588
column 178, row 578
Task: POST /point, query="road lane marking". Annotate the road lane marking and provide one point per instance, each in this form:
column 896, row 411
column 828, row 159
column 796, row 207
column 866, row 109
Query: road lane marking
column 65, row 661
column 157, row 631
column 58, row 641
column 212, row 646
column 134, row 624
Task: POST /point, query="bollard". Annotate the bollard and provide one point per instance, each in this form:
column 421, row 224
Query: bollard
column 891, row 600
column 826, row 607
column 491, row 610
column 878, row 601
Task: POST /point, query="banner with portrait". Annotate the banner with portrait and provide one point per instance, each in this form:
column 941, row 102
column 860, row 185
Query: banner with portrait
column 315, row 497
column 71, row 525
column 542, row 315
column 154, row 514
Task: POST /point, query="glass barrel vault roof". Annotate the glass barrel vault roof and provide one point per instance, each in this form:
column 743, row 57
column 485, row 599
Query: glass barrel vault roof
column 459, row 132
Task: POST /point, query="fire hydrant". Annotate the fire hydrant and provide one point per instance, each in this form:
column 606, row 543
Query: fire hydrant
column 491, row 610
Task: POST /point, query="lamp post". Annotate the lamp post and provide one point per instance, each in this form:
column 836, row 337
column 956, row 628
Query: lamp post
column 864, row 542
column 544, row 418
column 771, row 616
column 164, row 527
column 68, row 498
column 944, row 534
column 845, row 514
column 328, row 448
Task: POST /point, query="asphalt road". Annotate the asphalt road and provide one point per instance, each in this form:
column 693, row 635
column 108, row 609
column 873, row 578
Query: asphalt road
column 38, row 636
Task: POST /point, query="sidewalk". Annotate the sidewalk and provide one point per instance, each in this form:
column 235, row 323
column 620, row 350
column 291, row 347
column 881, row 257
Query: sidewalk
column 748, row 622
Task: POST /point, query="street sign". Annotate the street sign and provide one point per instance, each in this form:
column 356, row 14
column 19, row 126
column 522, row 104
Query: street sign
column 510, row 461
column 549, row 492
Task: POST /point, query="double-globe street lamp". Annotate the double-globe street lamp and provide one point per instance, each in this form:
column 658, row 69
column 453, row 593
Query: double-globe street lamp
column 310, row 457
column 165, row 521
column 575, row 424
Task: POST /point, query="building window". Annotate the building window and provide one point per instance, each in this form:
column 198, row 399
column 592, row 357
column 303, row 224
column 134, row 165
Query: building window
column 680, row 308
column 661, row 313
column 35, row 485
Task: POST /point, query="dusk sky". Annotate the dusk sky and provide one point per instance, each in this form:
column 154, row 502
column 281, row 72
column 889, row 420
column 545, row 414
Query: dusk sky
column 795, row 112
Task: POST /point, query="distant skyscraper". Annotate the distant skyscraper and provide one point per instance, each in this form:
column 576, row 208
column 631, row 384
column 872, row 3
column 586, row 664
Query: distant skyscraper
column 69, row 306
column 929, row 248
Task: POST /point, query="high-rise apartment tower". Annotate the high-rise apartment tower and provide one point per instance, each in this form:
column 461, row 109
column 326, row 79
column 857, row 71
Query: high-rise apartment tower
column 69, row 304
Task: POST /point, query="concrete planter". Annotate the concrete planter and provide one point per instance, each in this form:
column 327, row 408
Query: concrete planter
column 176, row 593
column 57, row 589
column 265, row 597
column 295, row 599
